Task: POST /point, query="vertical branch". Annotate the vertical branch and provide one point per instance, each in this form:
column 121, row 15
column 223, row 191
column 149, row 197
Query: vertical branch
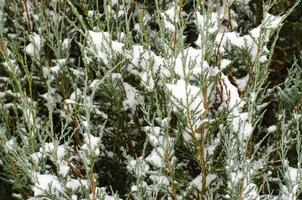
column 132, row 8
column 168, row 162
column 241, row 191
column 25, row 9
column 163, row 6
column 181, row 4
column 200, row 147
column 65, row 94
column 174, row 41
column 133, row 4
column 230, row 18
column 92, row 184
column 175, row 31
column 202, row 158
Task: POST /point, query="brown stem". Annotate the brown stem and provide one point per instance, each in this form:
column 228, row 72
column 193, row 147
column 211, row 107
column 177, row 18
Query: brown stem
column 77, row 172
column 219, row 56
column 92, row 185
column 202, row 157
column 170, row 172
column 241, row 196
column 181, row 4
column 76, row 137
column 163, row 5
column 132, row 8
column 25, row 9
column 230, row 19
column 175, row 32
column 202, row 164
column 174, row 41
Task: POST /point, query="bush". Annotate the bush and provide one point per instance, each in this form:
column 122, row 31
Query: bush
column 146, row 100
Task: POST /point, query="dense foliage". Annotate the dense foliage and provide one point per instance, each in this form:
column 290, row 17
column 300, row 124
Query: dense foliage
column 134, row 99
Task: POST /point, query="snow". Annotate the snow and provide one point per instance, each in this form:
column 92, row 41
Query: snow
column 47, row 182
column 85, row 123
column 154, row 135
column 75, row 94
column 230, row 94
column 187, row 96
column 210, row 148
column 77, row 72
column 263, row 59
column 60, row 151
column 224, row 63
column 45, row 72
column 170, row 18
column 102, row 40
column 9, row 145
column 147, row 81
column 73, row 184
column 116, row 76
column 50, row 71
column 272, row 129
column 59, row 63
column 294, row 175
column 95, row 83
column 186, row 136
column 158, row 141
column 133, row 98
column 147, row 60
column 97, row 38
column 55, row 153
column 138, row 166
column 34, row 47
column 272, row 22
column 156, row 157
column 63, row 168
column 206, row 24
column 104, row 196
column 196, row 182
column 66, row 43
column 69, row 101
column 36, row 157
column 137, row 52
column 250, row 40
column 157, row 179
column 114, row 2
column 90, row 13
column 29, row 116
column 242, row 126
column 101, row 113
column 242, row 83
column 190, row 63
column 101, row 44
column 74, row 197
column 231, row 37
column 49, row 147
column 91, row 144
column 236, row 176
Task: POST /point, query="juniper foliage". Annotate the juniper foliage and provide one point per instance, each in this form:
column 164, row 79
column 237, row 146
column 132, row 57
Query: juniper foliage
column 141, row 99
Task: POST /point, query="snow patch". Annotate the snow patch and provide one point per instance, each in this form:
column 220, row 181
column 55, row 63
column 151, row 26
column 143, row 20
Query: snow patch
column 34, row 47
column 133, row 98
column 47, row 183
column 186, row 96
